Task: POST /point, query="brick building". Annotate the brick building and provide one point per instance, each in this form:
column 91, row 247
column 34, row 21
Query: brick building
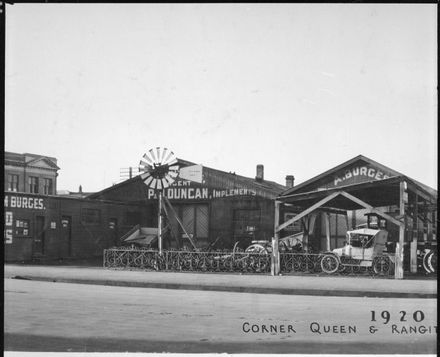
column 30, row 173
column 39, row 224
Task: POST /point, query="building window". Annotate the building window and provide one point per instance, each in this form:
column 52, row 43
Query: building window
column 12, row 182
column 47, row 188
column 22, row 227
column 91, row 216
column 246, row 225
column 33, row 184
column 295, row 227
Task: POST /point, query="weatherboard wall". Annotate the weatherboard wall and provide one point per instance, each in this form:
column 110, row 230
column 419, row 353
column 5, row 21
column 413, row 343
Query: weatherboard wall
column 238, row 208
column 64, row 227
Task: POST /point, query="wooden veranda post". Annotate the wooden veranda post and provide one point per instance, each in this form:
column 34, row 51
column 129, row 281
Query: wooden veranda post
column 327, row 231
column 309, row 230
column 275, row 258
column 399, row 247
column 347, row 222
column 414, row 238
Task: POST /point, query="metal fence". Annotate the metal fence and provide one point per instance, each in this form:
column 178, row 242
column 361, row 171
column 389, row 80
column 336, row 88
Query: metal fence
column 300, row 263
column 171, row 260
column 226, row 261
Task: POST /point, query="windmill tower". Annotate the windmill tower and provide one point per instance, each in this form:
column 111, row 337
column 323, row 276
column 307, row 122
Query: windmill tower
column 160, row 170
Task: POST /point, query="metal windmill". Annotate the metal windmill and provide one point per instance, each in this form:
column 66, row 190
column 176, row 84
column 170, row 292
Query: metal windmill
column 160, row 169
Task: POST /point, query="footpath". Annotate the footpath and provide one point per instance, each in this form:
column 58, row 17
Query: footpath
column 247, row 283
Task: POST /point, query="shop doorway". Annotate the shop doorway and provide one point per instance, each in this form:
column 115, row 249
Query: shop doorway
column 66, row 235
column 195, row 219
column 38, row 243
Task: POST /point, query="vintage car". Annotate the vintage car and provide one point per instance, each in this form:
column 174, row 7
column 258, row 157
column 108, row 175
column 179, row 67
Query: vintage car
column 365, row 247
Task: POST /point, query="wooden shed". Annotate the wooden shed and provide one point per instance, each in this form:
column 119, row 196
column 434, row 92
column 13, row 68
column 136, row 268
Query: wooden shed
column 335, row 201
column 222, row 207
column 56, row 227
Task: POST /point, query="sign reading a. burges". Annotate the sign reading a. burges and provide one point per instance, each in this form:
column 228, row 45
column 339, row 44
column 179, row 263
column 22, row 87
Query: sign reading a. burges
column 355, row 174
column 25, row 202
column 359, row 174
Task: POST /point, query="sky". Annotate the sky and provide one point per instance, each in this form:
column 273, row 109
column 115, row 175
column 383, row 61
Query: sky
column 299, row 88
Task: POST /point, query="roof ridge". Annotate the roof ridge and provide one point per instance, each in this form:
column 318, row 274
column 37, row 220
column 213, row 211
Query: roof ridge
column 347, row 163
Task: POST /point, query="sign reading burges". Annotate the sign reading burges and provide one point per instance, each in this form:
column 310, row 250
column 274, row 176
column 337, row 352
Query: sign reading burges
column 26, row 202
column 21, row 226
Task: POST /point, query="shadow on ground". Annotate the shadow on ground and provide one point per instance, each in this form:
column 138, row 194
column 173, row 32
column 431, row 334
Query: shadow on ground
column 19, row 342
column 80, row 262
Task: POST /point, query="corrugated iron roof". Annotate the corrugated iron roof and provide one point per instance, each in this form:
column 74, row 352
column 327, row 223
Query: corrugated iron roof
column 264, row 187
column 304, row 185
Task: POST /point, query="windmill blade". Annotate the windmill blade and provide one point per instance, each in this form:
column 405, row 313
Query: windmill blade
column 152, row 155
column 169, row 179
column 165, row 183
column 173, row 175
column 173, row 161
column 158, row 155
column 154, row 183
column 145, row 175
column 145, row 166
column 149, row 180
column 169, row 158
column 174, row 168
column 162, row 158
column 148, row 159
column 159, row 184
column 144, row 169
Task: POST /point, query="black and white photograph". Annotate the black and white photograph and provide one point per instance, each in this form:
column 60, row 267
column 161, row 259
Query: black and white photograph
column 220, row 178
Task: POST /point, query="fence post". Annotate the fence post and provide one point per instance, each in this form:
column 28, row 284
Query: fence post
column 398, row 274
column 275, row 257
